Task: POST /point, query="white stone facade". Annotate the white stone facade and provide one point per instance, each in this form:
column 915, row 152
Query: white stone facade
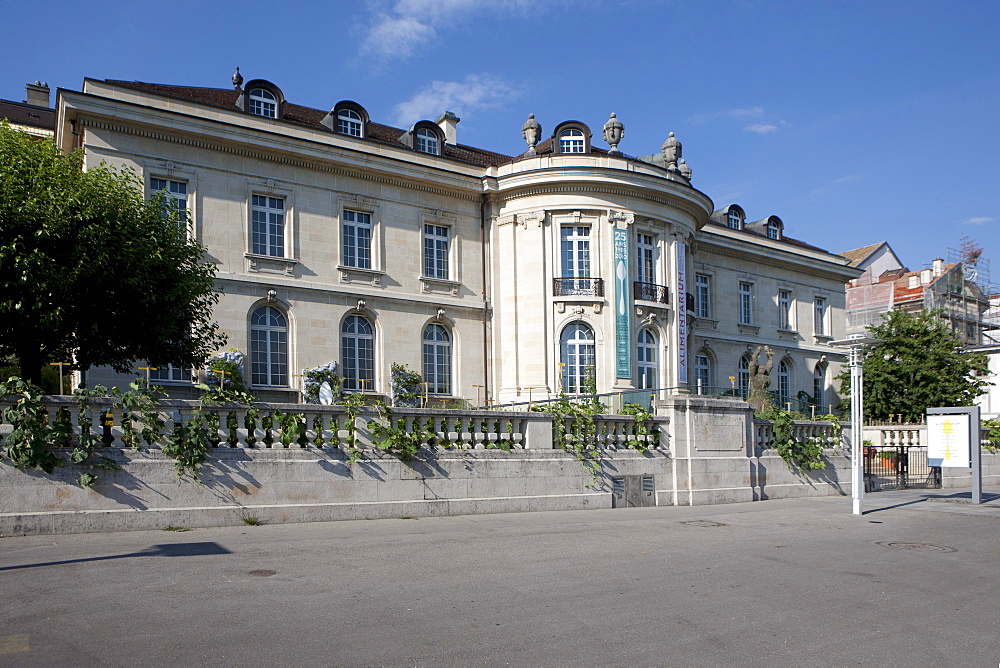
column 510, row 262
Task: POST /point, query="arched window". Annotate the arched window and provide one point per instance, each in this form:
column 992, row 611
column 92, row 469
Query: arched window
column 648, row 367
column 703, row 373
column 357, row 353
column 571, row 140
column 263, row 103
column 437, row 359
column 576, row 352
column 268, row 347
column 819, row 386
column 734, row 219
column 784, row 383
column 427, row 141
column 349, row 122
column 773, row 230
column 743, row 379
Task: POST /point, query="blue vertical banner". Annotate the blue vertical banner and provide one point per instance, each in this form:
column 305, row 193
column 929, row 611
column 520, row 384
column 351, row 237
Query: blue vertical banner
column 623, row 320
column 682, row 324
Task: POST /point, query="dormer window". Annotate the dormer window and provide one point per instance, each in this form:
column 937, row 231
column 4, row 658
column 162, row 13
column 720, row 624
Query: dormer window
column 734, row 219
column 263, row 103
column 349, row 123
column 427, row 141
column 571, row 140
column 773, row 230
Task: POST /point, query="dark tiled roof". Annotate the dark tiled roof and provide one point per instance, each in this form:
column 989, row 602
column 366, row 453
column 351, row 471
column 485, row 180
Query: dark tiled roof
column 28, row 114
column 763, row 234
column 225, row 98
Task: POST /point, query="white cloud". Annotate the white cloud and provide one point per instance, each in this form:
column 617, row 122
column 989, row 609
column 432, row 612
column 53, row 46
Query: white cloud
column 761, row 128
column 982, row 220
column 475, row 92
column 396, row 34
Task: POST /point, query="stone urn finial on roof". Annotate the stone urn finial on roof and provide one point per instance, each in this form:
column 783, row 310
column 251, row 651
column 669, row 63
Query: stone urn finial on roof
column 671, row 150
column 614, row 130
column 532, row 132
column 237, row 79
column 683, row 168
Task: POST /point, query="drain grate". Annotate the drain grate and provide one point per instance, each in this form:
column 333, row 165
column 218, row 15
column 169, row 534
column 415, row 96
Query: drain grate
column 917, row 547
column 263, row 572
column 702, row 523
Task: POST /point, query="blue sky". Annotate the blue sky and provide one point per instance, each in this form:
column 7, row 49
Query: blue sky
column 855, row 122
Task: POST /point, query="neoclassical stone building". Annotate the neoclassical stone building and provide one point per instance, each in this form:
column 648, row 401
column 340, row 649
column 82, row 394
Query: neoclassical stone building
column 341, row 239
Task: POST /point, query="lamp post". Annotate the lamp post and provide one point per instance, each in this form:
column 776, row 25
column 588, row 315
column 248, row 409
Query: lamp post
column 856, row 344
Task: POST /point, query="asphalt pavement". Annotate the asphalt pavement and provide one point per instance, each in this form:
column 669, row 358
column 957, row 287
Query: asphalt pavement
column 784, row 582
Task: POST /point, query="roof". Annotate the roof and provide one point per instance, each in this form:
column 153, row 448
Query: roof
column 859, row 255
column 903, row 292
column 225, row 98
column 21, row 113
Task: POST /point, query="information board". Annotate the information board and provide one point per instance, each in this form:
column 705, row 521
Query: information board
column 948, row 441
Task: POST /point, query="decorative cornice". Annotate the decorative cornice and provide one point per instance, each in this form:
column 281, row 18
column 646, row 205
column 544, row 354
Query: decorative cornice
column 639, row 193
column 267, row 156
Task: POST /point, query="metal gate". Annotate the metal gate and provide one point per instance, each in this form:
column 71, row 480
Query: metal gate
column 899, row 467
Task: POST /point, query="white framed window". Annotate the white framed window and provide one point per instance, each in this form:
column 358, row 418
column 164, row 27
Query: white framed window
column 356, row 230
column 427, row 141
column 773, row 230
column 437, row 244
column 437, row 359
column 646, row 260
column 571, row 140
column 176, row 193
column 647, row 357
column 575, row 251
column 743, row 377
column 349, row 122
column 820, row 319
column 703, row 296
column 267, row 226
column 784, row 383
column 734, row 219
column 577, row 354
column 703, row 373
column 746, row 303
column 819, row 386
column 268, row 347
column 784, row 309
column 168, row 373
column 357, row 353
column 263, row 103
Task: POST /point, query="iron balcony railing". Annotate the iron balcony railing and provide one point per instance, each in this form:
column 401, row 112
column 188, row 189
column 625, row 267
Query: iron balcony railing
column 651, row 292
column 569, row 287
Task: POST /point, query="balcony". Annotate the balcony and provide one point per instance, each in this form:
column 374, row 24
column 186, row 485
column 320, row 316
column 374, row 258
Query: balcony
column 578, row 287
column 651, row 292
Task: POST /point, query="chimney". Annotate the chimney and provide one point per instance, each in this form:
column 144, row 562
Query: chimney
column 38, row 94
column 448, row 123
column 925, row 276
column 938, row 266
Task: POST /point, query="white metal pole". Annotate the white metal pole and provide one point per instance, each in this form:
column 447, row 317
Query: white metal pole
column 857, row 427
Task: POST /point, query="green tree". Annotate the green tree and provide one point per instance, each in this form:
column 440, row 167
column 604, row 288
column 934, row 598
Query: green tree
column 919, row 364
column 93, row 272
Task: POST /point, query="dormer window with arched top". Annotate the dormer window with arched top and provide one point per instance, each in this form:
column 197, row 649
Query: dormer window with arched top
column 773, row 230
column 262, row 103
column 426, row 141
column 572, row 140
column 734, row 219
column 349, row 122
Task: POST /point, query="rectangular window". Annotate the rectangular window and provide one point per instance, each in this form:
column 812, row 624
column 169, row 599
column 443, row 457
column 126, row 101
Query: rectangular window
column 357, row 245
column 176, row 192
column 646, row 260
column 746, row 303
column 575, row 251
column 819, row 307
column 169, row 373
column 436, row 239
column 268, row 226
column 703, row 296
column 784, row 309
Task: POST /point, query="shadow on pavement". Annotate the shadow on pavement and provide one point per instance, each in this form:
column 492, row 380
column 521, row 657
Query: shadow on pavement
column 169, row 550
